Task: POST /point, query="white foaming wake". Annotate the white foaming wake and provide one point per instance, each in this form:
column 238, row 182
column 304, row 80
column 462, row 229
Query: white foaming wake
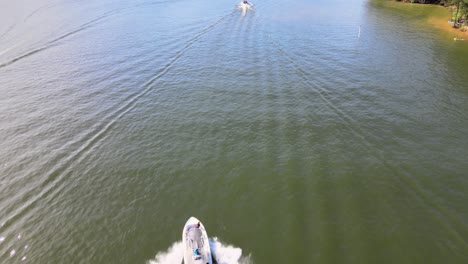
column 222, row 254
column 244, row 7
column 173, row 255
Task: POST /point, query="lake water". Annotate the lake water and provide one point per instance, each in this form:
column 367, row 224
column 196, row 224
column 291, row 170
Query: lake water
column 297, row 132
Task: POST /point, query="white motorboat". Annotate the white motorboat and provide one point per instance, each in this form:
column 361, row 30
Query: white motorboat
column 196, row 245
column 245, row 5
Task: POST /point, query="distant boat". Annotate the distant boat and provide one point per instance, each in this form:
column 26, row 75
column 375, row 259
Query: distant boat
column 196, row 245
column 245, row 5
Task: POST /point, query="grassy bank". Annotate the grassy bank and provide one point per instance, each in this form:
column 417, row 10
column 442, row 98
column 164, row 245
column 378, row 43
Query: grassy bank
column 435, row 16
column 441, row 22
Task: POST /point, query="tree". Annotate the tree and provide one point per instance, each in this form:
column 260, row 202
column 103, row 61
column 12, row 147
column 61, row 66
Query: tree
column 456, row 15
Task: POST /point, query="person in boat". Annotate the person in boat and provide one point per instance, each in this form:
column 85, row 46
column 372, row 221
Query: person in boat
column 245, row 2
column 196, row 252
column 197, row 225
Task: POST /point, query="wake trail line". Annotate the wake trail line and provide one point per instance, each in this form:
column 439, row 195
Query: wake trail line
column 402, row 173
column 58, row 3
column 186, row 47
column 57, row 175
column 54, row 41
column 7, row 31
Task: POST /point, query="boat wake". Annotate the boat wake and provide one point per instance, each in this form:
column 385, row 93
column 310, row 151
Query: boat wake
column 245, row 7
column 222, row 254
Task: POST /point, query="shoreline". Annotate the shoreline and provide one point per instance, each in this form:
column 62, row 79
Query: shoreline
column 443, row 23
column 438, row 18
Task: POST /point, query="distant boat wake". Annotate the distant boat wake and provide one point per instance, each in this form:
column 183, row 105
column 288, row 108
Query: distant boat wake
column 244, row 6
column 222, row 254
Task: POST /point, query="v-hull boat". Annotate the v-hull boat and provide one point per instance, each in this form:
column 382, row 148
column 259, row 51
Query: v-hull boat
column 196, row 244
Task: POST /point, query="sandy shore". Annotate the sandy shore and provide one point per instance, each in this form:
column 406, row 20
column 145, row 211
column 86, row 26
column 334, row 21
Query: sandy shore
column 442, row 23
column 436, row 16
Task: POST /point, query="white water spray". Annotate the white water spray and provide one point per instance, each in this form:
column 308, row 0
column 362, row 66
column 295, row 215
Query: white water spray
column 222, row 254
column 175, row 254
column 244, row 7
